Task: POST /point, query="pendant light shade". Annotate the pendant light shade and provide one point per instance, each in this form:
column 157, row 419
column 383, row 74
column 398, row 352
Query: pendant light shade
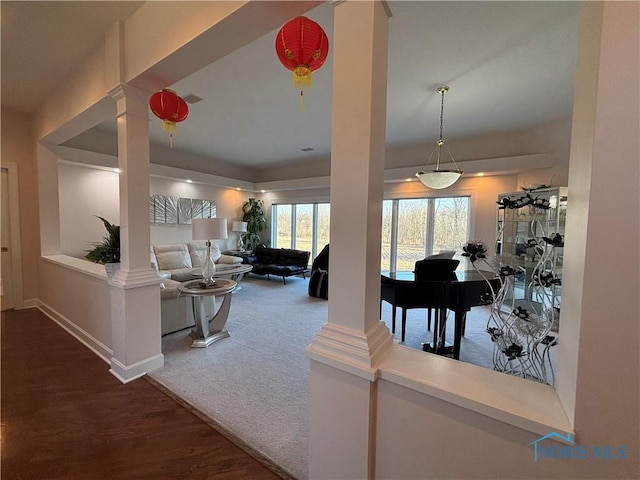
column 439, row 179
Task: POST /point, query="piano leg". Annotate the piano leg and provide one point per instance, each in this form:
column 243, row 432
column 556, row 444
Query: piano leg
column 393, row 318
column 440, row 330
column 460, row 321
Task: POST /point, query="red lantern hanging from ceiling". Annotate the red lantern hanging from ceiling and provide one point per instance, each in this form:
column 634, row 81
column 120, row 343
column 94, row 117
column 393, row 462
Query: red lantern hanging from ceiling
column 170, row 108
column 302, row 47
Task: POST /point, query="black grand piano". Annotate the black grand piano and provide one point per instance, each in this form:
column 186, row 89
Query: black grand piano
column 461, row 291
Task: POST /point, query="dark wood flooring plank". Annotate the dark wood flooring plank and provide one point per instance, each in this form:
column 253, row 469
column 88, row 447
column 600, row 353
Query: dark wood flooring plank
column 64, row 416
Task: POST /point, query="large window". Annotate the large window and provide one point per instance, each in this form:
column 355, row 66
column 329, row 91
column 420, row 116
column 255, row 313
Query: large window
column 304, row 227
column 415, row 228
column 282, row 218
column 322, row 225
column 301, row 226
column 411, row 228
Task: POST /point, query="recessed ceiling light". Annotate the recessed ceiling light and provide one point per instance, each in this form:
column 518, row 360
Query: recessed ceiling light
column 189, row 180
column 117, row 170
column 238, row 188
column 408, row 180
column 262, row 191
column 480, row 174
column 307, row 149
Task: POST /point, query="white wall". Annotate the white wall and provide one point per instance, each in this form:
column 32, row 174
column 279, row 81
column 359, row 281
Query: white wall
column 79, row 301
column 228, row 205
column 85, row 192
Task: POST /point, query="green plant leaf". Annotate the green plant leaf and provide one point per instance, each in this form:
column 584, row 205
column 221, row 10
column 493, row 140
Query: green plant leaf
column 107, row 251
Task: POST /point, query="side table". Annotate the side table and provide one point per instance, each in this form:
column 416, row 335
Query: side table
column 208, row 330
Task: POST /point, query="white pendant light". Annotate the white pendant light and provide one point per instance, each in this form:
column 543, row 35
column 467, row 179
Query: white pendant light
column 438, row 179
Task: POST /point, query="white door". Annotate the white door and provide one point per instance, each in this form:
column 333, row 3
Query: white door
column 6, row 275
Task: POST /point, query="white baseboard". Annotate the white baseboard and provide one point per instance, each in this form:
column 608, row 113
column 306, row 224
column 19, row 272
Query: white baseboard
column 128, row 373
column 93, row 344
column 31, row 303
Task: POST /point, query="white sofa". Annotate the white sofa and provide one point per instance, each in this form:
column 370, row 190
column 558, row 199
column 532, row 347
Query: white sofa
column 175, row 263
column 179, row 259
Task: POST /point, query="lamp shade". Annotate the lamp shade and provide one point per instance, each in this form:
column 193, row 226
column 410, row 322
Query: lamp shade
column 209, row 228
column 438, row 179
column 239, row 226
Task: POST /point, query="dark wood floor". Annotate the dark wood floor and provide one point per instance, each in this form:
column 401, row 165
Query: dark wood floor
column 64, row 416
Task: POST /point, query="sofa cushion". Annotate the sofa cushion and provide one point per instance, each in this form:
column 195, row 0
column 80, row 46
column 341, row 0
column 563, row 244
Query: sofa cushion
column 282, row 256
column 229, row 260
column 154, row 261
column 185, row 274
column 169, row 289
column 172, row 256
column 319, row 284
column 154, row 265
column 198, row 252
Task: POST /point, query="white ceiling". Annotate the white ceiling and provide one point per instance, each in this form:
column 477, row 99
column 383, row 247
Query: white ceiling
column 510, row 65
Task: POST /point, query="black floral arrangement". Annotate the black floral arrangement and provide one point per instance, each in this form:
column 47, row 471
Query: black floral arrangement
column 522, row 313
column 518, row 332
column 474, row 250
column 512, row 203
column 514, row 351
column 555, row 240
column 541, row 203
column 494, row 333
column 532, row 242
column 506, row 271
column 547, row 279
column 533, row 188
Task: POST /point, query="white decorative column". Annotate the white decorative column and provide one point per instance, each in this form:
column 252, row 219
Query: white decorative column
column 135, row 295
column 345, row 352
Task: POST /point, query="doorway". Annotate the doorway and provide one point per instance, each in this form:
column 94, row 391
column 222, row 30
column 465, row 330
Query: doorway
column 10, row 260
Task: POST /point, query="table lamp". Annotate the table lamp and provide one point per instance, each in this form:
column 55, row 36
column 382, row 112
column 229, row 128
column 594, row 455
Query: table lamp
column 240, row 227
column 209, row 229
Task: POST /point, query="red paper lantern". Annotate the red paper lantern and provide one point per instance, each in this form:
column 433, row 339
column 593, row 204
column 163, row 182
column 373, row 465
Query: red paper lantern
column 170, row 108
column 302, row 47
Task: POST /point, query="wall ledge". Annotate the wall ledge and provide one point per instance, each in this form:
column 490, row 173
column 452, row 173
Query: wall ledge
column 525, row 404
column 78, row 264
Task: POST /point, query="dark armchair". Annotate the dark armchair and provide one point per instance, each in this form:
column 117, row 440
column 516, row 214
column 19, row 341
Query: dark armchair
column 408, row 294
column 319, row 279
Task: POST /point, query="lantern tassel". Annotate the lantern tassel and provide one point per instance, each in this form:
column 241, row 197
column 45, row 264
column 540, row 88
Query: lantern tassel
column 301, row 101
column 169, row 126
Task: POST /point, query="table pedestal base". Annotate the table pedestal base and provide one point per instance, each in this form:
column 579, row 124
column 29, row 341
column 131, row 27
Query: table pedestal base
column 205, row 342
column 209, row 329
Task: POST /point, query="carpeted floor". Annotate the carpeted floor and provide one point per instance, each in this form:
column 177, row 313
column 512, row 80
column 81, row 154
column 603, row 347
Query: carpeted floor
column 254, row 383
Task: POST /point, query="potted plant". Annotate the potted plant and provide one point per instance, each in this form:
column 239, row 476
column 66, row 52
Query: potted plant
column 253, row 214
column 107, row 252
